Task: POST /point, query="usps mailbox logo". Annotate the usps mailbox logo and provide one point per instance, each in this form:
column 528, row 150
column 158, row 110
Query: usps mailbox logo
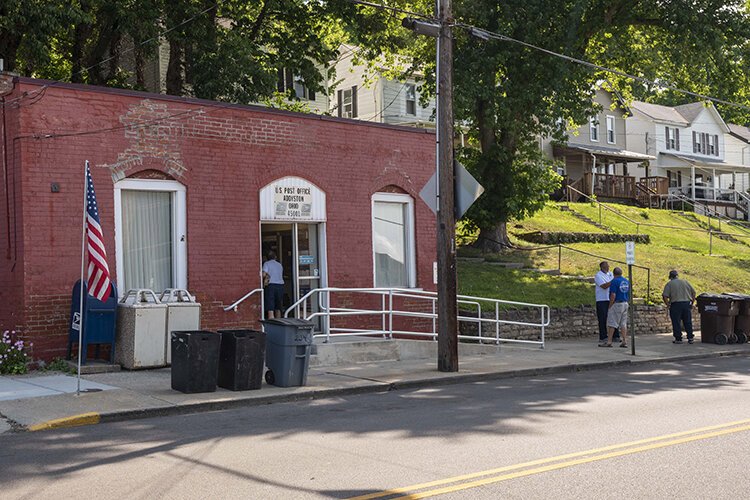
column 76, row 321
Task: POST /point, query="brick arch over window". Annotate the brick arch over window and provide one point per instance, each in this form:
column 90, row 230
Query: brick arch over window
column 151, row 174
column 391, row 188
column 394, row 178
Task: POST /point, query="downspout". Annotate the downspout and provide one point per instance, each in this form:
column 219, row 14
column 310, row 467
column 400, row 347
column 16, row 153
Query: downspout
column 593, row 174
column 5, row 180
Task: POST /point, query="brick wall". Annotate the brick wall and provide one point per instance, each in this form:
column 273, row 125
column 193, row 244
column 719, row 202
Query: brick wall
column 11, row 227
column 224, row 156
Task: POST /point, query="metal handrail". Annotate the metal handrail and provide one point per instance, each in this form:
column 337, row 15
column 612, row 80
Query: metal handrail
column 663, row 226
column 245, row 297
column 388, row 312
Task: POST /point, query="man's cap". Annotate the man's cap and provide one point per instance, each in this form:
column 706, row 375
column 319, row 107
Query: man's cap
column 673, row 274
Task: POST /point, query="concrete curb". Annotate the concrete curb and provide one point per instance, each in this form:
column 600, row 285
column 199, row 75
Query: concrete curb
column 375, row 387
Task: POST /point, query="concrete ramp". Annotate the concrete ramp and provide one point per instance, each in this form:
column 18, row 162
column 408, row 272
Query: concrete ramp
column 368, row 350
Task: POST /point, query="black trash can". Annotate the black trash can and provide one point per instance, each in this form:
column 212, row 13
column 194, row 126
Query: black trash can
column 195, row 360
column 241, row 359
column 288, row 343
column 717, row 318
column 742, row 321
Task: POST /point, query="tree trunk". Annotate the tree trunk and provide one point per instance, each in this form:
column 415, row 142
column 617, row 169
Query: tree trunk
column 494, row 239
column 174, row 69
column 140, row 66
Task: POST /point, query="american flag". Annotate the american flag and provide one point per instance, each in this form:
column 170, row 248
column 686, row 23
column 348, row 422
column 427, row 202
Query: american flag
column 98, row 272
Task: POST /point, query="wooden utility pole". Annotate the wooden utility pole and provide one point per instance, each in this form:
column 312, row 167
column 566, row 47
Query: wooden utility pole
column 446, row 220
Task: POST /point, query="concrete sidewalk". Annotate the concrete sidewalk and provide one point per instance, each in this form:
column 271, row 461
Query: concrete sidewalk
column 139, row 394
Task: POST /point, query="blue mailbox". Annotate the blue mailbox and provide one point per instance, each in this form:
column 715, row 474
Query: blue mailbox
column 99, row 319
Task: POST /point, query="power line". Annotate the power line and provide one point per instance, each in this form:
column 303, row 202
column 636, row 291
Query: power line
column 392, row 9
column 485, row 35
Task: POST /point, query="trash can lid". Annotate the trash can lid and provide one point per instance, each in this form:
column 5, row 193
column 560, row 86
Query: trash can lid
column 299, row 323
column 715, row 296
column 738, row 296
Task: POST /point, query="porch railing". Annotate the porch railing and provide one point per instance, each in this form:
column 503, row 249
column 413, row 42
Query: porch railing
column 610, row 186
column 389, row 312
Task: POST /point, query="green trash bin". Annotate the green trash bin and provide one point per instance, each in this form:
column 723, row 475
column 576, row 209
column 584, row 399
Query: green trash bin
column 288, row 343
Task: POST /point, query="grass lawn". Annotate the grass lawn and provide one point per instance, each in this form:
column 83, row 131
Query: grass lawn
column 727, row 270
column 487, row 280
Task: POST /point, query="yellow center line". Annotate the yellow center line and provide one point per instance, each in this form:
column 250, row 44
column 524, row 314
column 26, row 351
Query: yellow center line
column 703, row 433
column 571, row 463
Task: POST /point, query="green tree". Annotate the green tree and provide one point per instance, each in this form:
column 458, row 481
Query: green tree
column 509, row 95
column 229, row 50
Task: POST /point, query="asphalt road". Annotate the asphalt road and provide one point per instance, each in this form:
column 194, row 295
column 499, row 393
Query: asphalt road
column 679, row 430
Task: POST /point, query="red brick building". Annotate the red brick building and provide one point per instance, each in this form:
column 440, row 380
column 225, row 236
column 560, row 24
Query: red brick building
column 191, row 193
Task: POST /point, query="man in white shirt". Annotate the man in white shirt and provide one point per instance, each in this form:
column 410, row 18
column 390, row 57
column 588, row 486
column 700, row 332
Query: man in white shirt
column 273, row 284
column 601, row 283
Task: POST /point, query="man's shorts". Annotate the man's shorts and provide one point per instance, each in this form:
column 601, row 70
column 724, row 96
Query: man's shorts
column 617, row 316
column 274, row 297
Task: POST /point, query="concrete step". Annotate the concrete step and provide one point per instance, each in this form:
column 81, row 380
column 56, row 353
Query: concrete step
column 369, row 350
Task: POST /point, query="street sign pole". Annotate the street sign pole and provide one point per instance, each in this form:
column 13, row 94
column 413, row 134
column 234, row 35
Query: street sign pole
column 631, row 313
column 630, row 260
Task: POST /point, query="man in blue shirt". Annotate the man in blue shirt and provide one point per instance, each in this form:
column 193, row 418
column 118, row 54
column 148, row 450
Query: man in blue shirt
column 617, row 316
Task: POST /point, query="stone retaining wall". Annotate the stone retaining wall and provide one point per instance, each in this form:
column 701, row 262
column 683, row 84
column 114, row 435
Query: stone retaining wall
column 569, row 322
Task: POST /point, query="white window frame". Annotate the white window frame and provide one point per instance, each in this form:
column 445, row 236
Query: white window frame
column 411, row 97
column 179, row 226
column 347, row 108
column 410, row 242
column 611, row 130
column 594, row 129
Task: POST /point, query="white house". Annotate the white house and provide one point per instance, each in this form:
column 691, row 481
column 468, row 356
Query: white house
column 694, row 150
column 373, row 97
column 597, row 158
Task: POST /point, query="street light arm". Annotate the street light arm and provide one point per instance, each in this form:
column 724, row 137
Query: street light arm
column 421, row 27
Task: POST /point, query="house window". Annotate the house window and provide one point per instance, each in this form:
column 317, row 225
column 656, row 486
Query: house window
column 611, row 129
column 393, row 240
column 150, row 228
column 347, row 102
column 594, row 128
column 707, row 144
column 411, row 99
column 288, row 81
column 672, row 137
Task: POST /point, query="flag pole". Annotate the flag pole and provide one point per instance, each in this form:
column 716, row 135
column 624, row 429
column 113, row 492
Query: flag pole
column 81, row 288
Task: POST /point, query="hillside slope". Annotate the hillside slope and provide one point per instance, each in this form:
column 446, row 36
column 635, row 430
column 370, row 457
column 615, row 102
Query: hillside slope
column 685, row 247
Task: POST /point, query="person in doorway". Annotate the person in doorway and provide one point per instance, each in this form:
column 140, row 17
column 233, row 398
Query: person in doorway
column 273, row 286
column 617, row 316
column 602, row 281
column 679, row 296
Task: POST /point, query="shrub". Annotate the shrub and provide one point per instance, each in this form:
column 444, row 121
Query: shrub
column 13, row 357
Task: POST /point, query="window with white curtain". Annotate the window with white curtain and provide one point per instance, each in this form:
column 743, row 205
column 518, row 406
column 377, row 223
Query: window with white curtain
column 150, row 234
column 393, row 240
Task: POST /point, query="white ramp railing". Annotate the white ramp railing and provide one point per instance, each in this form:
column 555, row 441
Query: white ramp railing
column 391, row 307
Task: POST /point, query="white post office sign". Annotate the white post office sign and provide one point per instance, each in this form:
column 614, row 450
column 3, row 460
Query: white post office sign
column 292, row 199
